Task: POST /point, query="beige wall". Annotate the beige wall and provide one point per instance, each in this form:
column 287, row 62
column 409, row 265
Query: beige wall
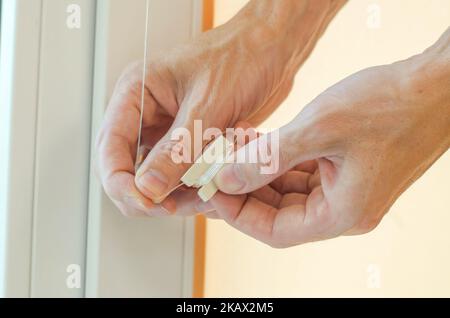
column 410, row 250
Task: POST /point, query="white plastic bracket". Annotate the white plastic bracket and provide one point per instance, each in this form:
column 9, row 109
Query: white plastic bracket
column 205, row 168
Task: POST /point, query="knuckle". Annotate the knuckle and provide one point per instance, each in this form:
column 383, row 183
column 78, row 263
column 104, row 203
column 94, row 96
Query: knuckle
column 131, row 78
column 129, row 213
column 368, row 225
column 110, row 188
column 126, row 212
column 99, row 138
column 327, row 218
column 278, row 245
column 172, row 157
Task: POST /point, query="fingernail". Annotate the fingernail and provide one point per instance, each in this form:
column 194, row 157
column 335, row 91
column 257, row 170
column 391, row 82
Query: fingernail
column 229, row 179
column 203, row 207
column 154, row 183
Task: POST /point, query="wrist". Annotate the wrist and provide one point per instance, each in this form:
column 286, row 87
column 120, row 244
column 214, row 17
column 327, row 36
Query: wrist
column 424, row 82
column 426, row 76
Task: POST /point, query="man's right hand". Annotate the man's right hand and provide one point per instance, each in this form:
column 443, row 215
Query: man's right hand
column 369, row 138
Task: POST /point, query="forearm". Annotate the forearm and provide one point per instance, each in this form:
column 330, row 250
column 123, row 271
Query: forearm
column 426, row 83
column 285, row 31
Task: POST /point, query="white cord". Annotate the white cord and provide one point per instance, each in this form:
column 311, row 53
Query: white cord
column 139, row 155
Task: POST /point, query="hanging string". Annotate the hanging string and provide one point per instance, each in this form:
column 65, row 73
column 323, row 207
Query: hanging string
column 140, row 150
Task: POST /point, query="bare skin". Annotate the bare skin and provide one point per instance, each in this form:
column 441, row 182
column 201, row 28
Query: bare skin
column 369, row 137
column 240, row 71
column 345, row 158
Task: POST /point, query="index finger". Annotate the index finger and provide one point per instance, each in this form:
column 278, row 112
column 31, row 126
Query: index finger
column 116, row 148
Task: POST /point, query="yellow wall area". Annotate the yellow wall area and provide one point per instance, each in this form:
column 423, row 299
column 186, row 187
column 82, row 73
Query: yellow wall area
column 409, row 253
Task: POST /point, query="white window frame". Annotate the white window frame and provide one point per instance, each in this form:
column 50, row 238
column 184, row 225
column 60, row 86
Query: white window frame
column 53, row 212
column 19, row 58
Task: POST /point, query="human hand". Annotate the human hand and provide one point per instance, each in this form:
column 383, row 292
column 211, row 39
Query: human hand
column 238, row 72
column 369, row 138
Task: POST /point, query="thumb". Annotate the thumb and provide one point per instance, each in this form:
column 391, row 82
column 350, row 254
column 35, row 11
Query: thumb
column 266, row 158
column 168, row 160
